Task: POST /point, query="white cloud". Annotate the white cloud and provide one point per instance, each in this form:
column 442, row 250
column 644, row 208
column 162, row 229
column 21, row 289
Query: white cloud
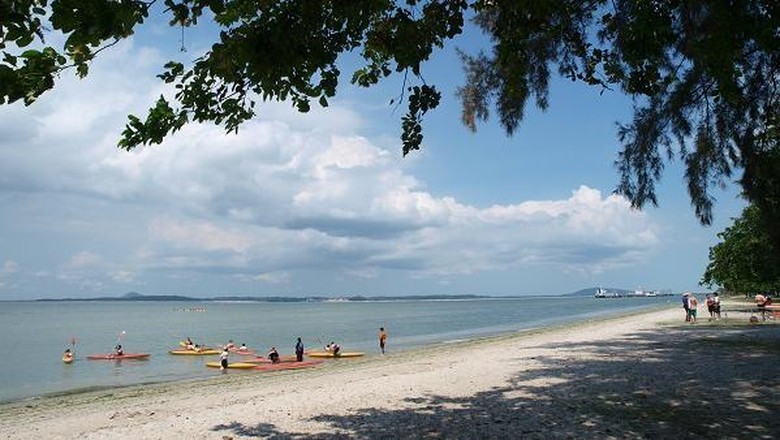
column 294, row 193
column 83, row 269
column 367, row 273
column 197, row 236
column 85, row 260
column 9, row 267
column 273, row 277
column 123, row 276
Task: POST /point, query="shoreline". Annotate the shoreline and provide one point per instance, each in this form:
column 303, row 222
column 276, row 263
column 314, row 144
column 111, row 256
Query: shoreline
column 620, row 377
column 412, row 351
column 466, row 337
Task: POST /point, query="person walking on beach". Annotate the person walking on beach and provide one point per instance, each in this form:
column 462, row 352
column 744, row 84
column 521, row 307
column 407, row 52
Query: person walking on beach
column 299, row 350
column 693, row 304
column 382, row 339
column 685, row 306
column 710, row 306
column 223, row 358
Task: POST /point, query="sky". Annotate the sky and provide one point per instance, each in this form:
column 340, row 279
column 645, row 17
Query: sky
column 324, row 204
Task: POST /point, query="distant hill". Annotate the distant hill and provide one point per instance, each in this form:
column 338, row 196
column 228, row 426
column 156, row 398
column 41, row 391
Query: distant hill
column 129, row 296
column 135, row 296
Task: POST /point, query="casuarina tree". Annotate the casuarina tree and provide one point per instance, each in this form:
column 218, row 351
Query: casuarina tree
column 703, row 74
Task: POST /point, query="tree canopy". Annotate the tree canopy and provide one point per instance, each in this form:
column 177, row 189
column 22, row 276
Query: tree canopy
column 745, row 260
column 703, row 74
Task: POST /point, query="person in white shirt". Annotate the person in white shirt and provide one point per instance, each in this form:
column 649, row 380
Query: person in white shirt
column 223, row 359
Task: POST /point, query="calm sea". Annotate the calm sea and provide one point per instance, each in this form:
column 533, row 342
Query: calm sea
column 33, row 335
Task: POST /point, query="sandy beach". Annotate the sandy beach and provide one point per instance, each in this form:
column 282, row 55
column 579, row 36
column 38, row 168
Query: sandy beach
column 647, row 375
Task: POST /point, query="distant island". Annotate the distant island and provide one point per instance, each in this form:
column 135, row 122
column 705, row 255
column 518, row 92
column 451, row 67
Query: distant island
column 597, row 292
column 135, row 296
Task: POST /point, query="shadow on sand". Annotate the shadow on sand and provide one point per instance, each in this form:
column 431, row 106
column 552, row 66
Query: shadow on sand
column 679, row 382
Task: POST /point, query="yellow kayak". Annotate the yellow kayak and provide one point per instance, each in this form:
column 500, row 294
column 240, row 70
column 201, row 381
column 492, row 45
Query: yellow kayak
column 205, row 352
column 346, row 354
column 238, row 365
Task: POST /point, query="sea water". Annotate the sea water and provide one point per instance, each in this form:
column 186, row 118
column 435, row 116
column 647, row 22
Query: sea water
column 33, row 335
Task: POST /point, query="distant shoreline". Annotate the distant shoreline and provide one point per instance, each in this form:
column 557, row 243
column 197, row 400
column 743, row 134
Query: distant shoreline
column 134, row 296
column 178, row 298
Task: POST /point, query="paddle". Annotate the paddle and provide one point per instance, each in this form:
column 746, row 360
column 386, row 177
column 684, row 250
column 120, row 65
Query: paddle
column 119, row 339
column 72, row 349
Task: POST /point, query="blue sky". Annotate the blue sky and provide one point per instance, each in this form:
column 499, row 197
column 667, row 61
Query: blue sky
column 323, row 203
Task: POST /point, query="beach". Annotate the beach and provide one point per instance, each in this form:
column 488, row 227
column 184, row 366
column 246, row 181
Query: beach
column 643, row 375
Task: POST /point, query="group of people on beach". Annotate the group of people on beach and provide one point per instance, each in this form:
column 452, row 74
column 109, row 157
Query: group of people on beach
column 691, row 304
column 763, row 303
column 273, row 353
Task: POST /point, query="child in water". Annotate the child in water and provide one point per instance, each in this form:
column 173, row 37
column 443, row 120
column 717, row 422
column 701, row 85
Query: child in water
column 223, row 359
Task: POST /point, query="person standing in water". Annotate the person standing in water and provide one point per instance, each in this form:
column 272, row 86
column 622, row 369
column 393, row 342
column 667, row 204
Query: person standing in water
column 382, row 339
column 273, row 355
column 223, row 359
column 299, row 350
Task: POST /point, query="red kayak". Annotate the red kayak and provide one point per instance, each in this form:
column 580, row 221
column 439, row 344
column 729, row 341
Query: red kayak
column 265, row 360
column 246, row 352
column 118, row 357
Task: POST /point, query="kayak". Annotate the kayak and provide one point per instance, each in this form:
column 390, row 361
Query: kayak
column 118, row 357
column 240, row 352
column 67, row 359
column 346, row 354
column 265, row 360
column 286, row 366
column 184, row 346
column 238, row 365
column 208, row 351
